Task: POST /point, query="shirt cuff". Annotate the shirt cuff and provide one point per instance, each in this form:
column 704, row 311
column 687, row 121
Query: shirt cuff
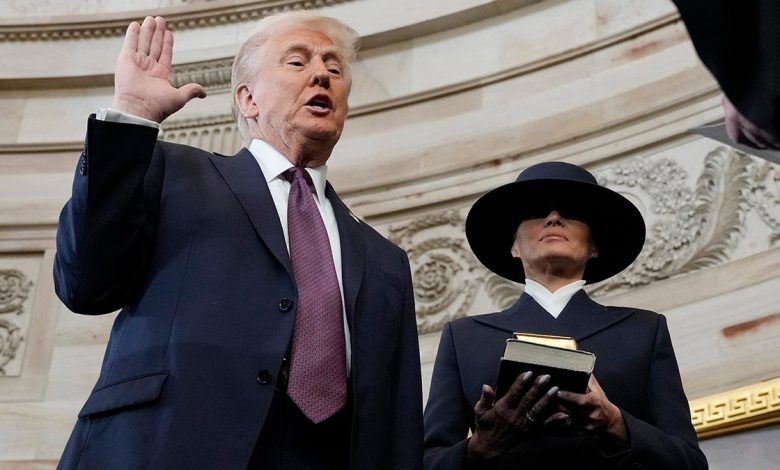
column 110, row 115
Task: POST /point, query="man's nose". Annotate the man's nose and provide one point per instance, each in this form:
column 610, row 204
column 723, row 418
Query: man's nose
column 321, row 75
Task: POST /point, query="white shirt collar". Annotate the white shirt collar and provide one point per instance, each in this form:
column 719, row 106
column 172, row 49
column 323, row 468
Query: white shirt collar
column 273, row 164
column 552, row 302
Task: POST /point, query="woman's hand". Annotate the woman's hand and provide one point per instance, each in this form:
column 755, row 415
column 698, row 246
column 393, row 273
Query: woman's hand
column 501, row 424
column 593, row 412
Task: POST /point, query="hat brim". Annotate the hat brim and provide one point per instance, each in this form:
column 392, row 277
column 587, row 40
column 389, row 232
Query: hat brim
column 615, row 223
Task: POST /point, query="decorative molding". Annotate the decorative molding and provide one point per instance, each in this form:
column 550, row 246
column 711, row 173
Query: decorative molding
column 205, row 14
column 446, row 274
column 764, row 195
column 14, row 290
column 215, row 134
column 694, row 228
column 736, row 410
column 502, row 291
column 214, row 75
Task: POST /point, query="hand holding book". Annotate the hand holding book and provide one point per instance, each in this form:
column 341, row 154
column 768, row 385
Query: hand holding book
column 502, row 423
column 568, row 367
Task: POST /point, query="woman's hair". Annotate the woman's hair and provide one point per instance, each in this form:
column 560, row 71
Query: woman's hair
column 249, row 57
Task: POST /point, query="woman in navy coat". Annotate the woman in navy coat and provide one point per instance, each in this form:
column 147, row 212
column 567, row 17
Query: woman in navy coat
column 555, row 229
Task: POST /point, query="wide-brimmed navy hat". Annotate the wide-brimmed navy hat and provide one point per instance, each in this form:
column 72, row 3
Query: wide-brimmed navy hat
column 615, row 223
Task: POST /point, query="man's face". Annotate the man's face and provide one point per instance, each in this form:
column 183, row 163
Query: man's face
column 300, row 92
column 543, row 242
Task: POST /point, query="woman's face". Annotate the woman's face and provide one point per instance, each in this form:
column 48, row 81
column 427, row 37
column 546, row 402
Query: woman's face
column 553, row 243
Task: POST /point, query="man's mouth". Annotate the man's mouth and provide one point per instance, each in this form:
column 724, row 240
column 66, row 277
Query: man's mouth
column 320, row 102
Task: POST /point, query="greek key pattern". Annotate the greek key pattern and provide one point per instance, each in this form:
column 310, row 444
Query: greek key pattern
column 743, row 408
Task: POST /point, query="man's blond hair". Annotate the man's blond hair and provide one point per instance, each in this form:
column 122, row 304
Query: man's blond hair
column 248, row 59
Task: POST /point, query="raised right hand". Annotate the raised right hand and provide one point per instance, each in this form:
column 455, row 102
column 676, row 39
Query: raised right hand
column 500, row 425
column 142, row 85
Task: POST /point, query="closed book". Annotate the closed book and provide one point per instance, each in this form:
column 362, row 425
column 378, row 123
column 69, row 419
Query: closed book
column 569, row 369
column 566, row 342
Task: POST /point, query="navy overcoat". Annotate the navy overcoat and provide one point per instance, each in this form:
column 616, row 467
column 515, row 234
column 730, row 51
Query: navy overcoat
column 189, row 245
column 635, row 366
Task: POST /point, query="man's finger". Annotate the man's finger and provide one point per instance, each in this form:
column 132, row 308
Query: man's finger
column 166, row 53
column 191, row 91
column 145, row 35
column 131, row 37
column 156, row 46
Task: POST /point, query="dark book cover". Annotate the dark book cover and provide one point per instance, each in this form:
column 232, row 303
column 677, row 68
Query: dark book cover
column 566, row 379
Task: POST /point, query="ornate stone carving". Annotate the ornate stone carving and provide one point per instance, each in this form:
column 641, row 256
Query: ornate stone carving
column 693, row 228
column 764, row 195
column 216, row 133
column 502, row 291
column 14, row 290
column 214, row 75
column 446, row 275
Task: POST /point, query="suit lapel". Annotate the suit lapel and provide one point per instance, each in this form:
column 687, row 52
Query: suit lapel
column 245, row 178
column 581, row 318
column 525, row 315
column 353, row 251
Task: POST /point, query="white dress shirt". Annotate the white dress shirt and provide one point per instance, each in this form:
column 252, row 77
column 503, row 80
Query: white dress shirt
column 552, row 302
column 273, row 165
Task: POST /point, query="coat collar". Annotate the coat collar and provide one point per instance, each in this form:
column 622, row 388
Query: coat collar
column 242, row 174
column 353, row 251
column 581, row 318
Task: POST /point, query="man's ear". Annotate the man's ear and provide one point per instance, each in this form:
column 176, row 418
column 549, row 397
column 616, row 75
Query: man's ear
column 245, row 101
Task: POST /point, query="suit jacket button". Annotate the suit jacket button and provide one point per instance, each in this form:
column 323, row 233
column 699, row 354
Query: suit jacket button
column 263, row 377
column 285, row 305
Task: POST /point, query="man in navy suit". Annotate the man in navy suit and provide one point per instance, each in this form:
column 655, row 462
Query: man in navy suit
column 224, row 297
column 555, row 229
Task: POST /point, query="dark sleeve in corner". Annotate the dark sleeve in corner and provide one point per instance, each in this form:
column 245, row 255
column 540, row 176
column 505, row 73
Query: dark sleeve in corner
column 447, row 416
column 666, row 438
column 739, row 42
column 407, row 411
column 106, row 229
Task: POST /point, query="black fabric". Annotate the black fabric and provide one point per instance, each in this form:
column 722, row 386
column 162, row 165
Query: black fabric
column 290, row 441
column 739, row 42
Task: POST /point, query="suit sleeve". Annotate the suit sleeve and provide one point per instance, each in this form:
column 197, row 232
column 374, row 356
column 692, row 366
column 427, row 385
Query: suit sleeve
column 666, row 439
column 106, row 230
column 408, row 411
column 448, row 414
column 739, row 42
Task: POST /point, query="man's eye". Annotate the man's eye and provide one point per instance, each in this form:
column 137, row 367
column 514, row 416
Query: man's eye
column 334, row 71
column 295, row 63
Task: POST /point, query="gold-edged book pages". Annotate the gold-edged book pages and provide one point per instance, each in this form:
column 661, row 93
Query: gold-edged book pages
column 565, row 342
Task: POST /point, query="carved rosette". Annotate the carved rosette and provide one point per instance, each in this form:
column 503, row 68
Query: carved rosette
column 445, row 274
column 14, row 290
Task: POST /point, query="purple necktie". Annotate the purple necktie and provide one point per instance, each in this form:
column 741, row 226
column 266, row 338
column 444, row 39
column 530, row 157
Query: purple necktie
column 318, row 375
